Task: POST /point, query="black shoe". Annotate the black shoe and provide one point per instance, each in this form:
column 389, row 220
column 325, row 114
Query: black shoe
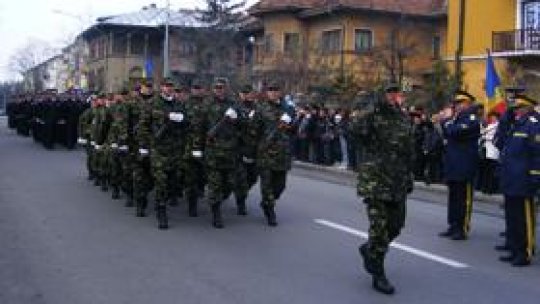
column 502, row 234
column 161, row 214
column 90, row 177
column 270, row 214
column 447, row 233
column 241, row 207
column 504, row 247
column 116, row 193
column 217, row 220
column 129, row 202
column 507, row 258
column 458, row 236
column 521, row 261
column 141, row 207
column 96, row 182
column 382, row 285
column 173, row 202
column 192, row 208
column 364, row 254
column 104, row 186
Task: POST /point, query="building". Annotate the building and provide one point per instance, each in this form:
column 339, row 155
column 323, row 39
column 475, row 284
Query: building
column 310, row 43
column 510, row 29
column 47, row 75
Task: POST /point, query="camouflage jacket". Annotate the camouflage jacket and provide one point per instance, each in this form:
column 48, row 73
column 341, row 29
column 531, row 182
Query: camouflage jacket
column 143, row 125
column 195, row 110
column 124, row 119
column 101, row 124
column 385, row 134
column 250, row 129
column 222, row 137
column 274, row 149
column 85, row 123
column 167, row 135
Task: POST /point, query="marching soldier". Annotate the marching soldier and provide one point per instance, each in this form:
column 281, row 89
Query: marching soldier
column 274, row 150
column 113, row 152
column 518, row 138
column 100, row 129
column 85, row 136
column 222, row 141
column 461, row 129
column 385, row 175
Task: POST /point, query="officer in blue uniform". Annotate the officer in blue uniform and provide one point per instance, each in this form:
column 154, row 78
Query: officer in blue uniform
column 518, row 139
column 461, row 130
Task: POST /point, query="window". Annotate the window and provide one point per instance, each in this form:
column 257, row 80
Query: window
column 137, row 44
column 331, row 42
column 269, row 43
column 531, row 15
column 291, row 43
column 187, row 49
column 120, row 43
column 363, row 40
column 436, row 45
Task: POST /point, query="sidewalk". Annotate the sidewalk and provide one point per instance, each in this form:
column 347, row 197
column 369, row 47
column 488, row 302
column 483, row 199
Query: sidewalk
column 435, row 188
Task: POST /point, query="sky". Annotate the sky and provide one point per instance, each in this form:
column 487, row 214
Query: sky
column 58, row 21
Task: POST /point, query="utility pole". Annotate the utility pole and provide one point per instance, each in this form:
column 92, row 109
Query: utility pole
column 166, row 70
column 459, row 52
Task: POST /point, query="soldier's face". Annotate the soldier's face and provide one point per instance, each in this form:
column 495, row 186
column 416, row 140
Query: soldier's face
column 243, row 96
column 219, row 91
column 273, row 94
column 167, row 90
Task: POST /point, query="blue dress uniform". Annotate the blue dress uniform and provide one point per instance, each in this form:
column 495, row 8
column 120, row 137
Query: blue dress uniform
column 519, row 142
column 461, row 162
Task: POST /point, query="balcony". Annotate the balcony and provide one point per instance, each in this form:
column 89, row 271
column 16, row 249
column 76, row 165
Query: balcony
column 517, row 42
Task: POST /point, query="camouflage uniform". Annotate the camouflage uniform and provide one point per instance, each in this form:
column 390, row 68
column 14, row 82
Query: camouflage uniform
column 385, row 175
column 112, row 149
column 194, row 177
column 100, row 129
column 85, row 123
column 274, row 156
column 221, row 154
column 168, row 125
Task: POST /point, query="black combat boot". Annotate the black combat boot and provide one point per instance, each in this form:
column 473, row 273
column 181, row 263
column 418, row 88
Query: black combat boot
column 97, row 180
column 507, row 258
column 368, row 263
column 161, row 214
column 521, row 260
column 115, row 192
column 192, row 207
column 104, row 185
column 382, row 285
column 502, row 247
column 173, row 202
column 270, row 215
column 141, row 207
column 217, row 220
column 448, row 233
column 241, row 206
column 91, row 176
column 459, row 236
column 129, row 201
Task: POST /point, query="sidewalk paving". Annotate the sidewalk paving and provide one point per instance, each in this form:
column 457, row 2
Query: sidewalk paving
column 436, row 188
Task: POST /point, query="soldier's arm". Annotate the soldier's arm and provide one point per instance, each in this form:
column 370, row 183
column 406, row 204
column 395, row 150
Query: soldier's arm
column 460, row 130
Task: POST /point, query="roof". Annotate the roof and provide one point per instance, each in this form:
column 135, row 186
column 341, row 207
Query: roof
column 153, row 16
column 313, row 7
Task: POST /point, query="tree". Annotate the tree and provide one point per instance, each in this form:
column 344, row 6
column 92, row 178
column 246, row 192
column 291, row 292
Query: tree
column 440, row 86
column 223, row 14
column 28, row 56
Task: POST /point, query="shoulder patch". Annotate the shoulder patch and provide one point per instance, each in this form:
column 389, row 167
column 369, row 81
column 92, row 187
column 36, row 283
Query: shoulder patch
column 533, row 119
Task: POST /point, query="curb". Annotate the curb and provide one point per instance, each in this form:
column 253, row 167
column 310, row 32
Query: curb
column 434, row 188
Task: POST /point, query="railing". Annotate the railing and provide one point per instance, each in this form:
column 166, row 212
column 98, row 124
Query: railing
column 516, row 41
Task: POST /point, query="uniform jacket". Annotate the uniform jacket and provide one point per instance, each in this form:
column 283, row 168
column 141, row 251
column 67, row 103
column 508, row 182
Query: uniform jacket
column 223, row 135
column 274, row 151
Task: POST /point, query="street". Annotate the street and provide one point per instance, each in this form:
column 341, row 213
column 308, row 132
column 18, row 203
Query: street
column 64, row 241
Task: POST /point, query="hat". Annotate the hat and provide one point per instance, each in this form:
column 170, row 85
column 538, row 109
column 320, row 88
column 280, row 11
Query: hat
column 147, row 83
column 246, row 89
column 220, row 81
column 514, row 90
column 182, row 89
column 167, row 82
column 392, row 88
column 461, row 96
column 522, row 101
column 273, row 86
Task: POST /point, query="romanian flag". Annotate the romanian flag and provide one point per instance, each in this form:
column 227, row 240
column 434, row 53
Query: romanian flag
column 494, row 94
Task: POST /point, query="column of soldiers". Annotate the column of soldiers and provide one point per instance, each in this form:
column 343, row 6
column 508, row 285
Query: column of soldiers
column 187, row 143
column 48, row 117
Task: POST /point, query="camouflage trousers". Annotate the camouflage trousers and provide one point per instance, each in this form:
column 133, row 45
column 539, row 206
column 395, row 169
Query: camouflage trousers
column 194, row 179
column 167, row 174
column 220, row 184
column 90, row 161
column 246, row 178
column 273, row 184
column 100, row 164
column 386, row 219
column 114, row 164
column 127, row 163
column 142, row 178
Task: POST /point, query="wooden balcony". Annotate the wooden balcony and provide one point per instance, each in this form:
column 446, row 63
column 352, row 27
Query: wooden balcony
column 517, row 42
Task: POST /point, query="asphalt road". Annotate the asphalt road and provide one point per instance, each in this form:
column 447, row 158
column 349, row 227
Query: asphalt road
column 63, row 241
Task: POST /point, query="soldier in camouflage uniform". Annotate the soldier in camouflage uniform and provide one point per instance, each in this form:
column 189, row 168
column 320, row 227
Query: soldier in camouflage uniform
column 113, row 151
column 99, row 132
column 85, row 136
column 274, row 150
column 194, row 179
column 385, row 176
column 222, row 143
column 168, row 125
column 142, row 177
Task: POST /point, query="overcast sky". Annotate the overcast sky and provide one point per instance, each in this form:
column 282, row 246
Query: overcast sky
column 56, row 21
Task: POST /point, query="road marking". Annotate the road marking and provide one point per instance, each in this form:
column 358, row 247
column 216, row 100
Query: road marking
column 411, row 250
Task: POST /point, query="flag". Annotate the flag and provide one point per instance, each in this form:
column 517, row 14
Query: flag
column 495, row 100
column 148, row 68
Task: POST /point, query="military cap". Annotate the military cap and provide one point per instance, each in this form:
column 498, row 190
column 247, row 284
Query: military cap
column 246, row 89
column 147, row 83
column 462, row 96
column 220, row 81
column 273, row 86
column 182, row 89
column 514, row 90
column 167, row 82
column 392, row 88
column 522, row 101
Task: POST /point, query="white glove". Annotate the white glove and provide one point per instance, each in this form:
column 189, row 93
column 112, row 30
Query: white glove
column 82, row 141
column 97, row 147
column 251, row 114
column 231, row 113
column 93, row 143
column 61, row 122
column 247, row 160
column 338, row 118
column 197, row 154
column 123, row 148
column 114, row 146
column 286, row 118
column 143, row 152
column 176, row 117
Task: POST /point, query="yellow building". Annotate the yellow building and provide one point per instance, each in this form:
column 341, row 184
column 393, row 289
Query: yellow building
column 309, row 43
column 510, row 29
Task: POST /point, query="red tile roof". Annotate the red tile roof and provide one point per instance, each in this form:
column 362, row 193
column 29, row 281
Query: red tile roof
column 412, row 7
